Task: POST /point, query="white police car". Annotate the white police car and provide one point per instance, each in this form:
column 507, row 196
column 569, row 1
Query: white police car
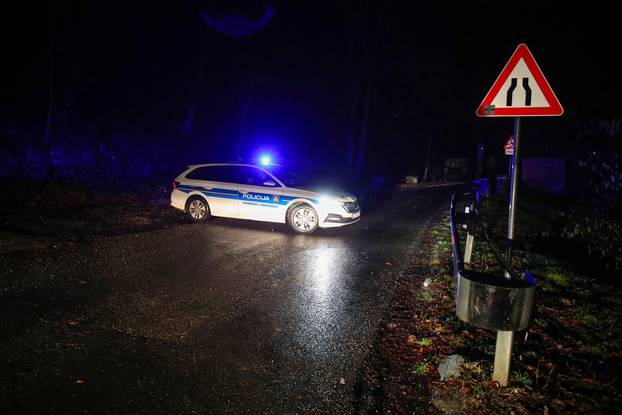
column 271, row 194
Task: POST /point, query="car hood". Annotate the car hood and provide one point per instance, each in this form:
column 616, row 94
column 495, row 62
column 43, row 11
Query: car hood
column 327, row 192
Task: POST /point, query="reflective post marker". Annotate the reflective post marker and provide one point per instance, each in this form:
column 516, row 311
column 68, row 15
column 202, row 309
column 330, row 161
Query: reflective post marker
column 503, row 357
column 468, row 248
column 503, row 349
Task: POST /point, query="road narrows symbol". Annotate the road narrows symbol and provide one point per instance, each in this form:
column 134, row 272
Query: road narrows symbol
column 527, row 92
column 511, row 92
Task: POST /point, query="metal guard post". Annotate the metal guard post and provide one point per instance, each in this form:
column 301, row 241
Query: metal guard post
column 494, row 302
column 486, row 300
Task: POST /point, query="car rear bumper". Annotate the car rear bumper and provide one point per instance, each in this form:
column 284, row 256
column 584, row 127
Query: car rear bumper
column 178, row 200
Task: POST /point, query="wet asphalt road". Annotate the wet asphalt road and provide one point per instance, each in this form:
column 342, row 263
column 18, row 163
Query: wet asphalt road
column 227, row 317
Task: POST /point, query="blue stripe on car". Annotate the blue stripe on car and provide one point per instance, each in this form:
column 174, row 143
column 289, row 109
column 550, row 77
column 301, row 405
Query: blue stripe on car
column 265, row 198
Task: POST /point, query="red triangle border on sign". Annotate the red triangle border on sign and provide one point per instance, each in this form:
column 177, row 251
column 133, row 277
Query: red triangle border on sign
column 555, row 108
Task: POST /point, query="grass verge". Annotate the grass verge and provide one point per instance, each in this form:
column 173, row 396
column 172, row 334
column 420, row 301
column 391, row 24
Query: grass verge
column 567, row 361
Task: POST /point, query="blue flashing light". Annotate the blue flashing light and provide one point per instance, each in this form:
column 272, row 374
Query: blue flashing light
column 265, row 159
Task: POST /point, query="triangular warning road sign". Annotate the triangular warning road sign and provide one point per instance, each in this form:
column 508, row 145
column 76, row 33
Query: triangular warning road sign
column 521, row 90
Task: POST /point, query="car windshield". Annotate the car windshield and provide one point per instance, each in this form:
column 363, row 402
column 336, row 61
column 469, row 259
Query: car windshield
column 289, row 178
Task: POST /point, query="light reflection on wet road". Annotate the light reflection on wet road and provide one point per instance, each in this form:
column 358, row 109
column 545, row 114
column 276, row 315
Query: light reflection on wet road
column 232, row 316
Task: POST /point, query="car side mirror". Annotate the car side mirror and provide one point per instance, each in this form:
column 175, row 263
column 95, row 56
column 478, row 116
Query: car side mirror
column 269, row 183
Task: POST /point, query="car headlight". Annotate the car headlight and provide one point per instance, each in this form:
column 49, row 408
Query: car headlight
column 351, row 206
column 330, row 201
column 334, row 202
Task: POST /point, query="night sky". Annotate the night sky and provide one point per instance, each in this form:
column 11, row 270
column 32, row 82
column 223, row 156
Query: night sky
column 289, row 88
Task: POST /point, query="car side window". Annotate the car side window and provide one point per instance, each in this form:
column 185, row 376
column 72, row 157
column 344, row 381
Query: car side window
column 252, row 176
column 226, row 174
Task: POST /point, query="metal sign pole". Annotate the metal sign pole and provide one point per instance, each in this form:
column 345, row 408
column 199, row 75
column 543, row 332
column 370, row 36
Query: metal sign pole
column 505, row 339
column 513, row 190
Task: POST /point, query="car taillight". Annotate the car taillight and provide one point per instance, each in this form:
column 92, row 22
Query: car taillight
column 175, row 184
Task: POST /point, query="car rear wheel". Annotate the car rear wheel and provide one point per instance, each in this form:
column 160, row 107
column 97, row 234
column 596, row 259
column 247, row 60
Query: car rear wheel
column 303, row 219
column 198, row 209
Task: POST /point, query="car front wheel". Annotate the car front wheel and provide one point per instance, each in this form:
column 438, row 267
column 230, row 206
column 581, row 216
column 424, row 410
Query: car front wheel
column 198, row 209
column 303, row 219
